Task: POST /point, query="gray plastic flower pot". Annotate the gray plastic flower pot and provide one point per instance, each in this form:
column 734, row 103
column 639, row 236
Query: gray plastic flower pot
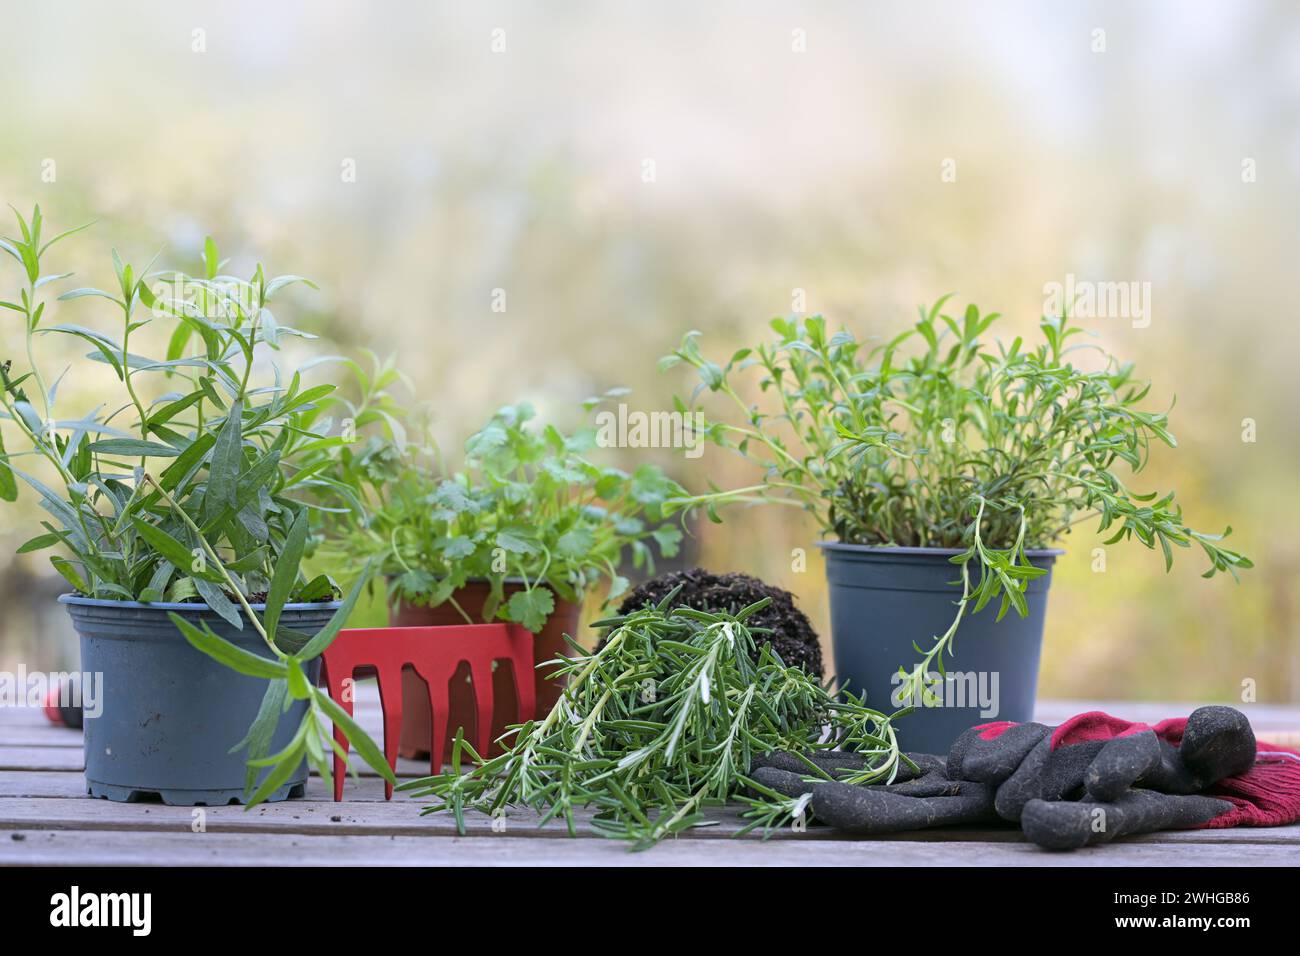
column 170, row 713
column 884, row 599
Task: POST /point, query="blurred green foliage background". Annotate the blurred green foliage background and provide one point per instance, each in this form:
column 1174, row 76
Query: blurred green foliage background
column 775, row 169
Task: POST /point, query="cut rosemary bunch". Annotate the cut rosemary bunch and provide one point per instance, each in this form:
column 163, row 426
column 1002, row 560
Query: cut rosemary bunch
column 660, row 723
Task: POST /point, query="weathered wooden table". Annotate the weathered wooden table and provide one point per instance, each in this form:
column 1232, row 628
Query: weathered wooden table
column 46, row 818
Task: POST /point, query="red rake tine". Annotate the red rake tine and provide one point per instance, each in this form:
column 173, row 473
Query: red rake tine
column 435, row 653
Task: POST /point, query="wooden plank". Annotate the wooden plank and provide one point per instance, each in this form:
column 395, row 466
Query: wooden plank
column 90, row 848
column 22, row 717
column 401, row 818
column 45, row 818
column 73, row 784
column 36, row 758
column 41, row 735
column 40, row 758
column 46, row 783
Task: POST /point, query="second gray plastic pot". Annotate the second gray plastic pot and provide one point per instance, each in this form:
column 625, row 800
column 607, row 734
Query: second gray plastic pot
column 170, row 713
column 884, row 599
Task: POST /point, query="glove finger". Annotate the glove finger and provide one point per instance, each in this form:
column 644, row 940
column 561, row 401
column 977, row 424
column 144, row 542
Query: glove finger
column 1119, row 763
column 1217, row 742
column 985, row 756
column 1026, row 782
column 926, row 764
column 1060, row 825
column 782, row 781
column 839, row 762
column 832, row 763
column 870, row 810
column 931, row 785
column 780, row 760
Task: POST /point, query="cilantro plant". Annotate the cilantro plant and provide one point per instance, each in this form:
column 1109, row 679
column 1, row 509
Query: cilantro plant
column 182, row 485
column 944, row 438
column 527, row 505
column 662, row 722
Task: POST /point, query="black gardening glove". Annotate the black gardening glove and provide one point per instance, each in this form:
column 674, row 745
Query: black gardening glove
column 1088, row 781
column 1097, row 777
column 916, row 800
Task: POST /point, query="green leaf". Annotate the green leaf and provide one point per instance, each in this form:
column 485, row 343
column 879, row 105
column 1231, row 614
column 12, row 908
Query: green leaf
column 216, row 599
column 576, row 543
column 299, row 688
column 531, row 607
column 8, row 483
column 261, row 732
column 175, row 552
column 179, row 339
column 108, row 350
column 42, row 541
column 514, row 542
column 70, row 574
column 231, row 655
column 279, row 282
column 133, row 448
column 669, row 538
column 82, row 293
column 63, row 235
column 319, row 588
column 172, row 409
column 211, row 261
column 286, row 571
column 181, row 590
column 359, row 739
column 283, row 765
column 186, row 462
column 225, row 465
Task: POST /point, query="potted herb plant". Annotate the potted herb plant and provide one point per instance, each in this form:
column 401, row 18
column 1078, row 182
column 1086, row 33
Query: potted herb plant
column 172, row 508
column 944, row 468
column 522, row 532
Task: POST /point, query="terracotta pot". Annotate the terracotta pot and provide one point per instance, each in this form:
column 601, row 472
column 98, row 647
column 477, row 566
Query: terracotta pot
column 415, row 695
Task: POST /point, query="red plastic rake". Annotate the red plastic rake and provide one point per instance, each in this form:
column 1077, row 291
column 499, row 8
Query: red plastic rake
column 434, row 653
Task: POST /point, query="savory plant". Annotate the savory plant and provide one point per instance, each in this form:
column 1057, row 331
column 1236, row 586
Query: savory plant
column 182, row 486
column 942, row 438
column 661, row 722
column 527, row 505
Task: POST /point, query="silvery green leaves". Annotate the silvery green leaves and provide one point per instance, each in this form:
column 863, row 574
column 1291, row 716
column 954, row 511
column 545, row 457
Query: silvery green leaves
column 659, row 724
column 226, row 435
column 528, row 503
column 182, row 486
column 942, row 437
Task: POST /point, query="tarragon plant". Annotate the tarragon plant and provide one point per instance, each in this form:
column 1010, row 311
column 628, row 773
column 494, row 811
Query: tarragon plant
column 660, row 723
column 527, row 504
column 943, row 438
column 182, row 484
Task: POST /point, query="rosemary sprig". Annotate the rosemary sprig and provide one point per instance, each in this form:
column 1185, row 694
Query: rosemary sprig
column 659, row 724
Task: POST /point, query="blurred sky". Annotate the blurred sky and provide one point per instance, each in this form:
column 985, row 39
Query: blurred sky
column 1114, row 156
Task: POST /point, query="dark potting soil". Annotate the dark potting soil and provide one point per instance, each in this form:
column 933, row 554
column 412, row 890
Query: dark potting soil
column 792, row 635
